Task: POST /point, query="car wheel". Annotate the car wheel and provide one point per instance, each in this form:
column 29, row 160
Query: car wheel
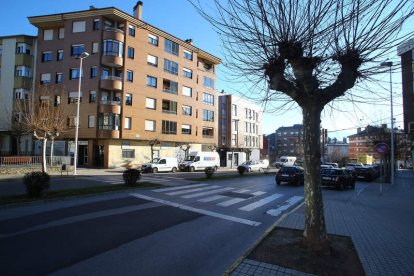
column 278, row 182
column 155, row 170
column 174, row 169
column 260, row 170
column 192, row 169
column 250, row 169
column 215, row 168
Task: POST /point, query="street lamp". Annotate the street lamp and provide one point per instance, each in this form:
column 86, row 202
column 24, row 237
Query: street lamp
column 75, row 162
column 389, row 64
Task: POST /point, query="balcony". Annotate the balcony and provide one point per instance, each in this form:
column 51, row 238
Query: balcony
column 112, row 60
column 113, row 33
column 108, row 134
column 109, row 107
column 111, row 83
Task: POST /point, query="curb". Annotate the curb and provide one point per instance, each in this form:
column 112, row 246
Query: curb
column 233, row 266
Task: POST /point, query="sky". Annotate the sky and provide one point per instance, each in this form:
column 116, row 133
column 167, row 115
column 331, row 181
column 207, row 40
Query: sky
column 180, row 19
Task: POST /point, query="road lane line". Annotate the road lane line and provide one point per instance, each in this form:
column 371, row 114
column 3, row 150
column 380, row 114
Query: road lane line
column 286, row 205
column 207, row 193
column 200, row 211
column 237, row 200
column 193, row 190
column 260, row 203
column 178, row 188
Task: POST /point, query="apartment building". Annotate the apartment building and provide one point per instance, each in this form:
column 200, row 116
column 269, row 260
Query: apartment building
column 144, row 92
column 240, row 129
column 406, row 52
column 17, row 68
column 289, row 141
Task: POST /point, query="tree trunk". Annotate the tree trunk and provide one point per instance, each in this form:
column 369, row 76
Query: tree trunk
column 52, row 142
column 44, row 141
column 315, row 237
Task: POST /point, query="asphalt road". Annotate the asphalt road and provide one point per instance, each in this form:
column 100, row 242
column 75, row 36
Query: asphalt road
column 179, row 229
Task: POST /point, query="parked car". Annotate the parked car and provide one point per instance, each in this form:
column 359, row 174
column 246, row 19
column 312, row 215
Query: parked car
column 290, row 174
column 167, row 164
column 338, row 178
column 334, row 165
column 365, row 173
column 325, row 166
column 351, row 166
column 254, row 165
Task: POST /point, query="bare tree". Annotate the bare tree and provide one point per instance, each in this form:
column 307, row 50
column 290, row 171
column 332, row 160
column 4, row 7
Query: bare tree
column 307, row 53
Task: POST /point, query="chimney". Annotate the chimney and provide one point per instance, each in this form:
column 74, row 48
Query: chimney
column 189, row 41
column 137, row 11
column 358, row 130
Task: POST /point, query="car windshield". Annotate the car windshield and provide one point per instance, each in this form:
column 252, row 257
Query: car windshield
column 247, row 163
column 288, row 169
column 155, row 160
column 331, row 172
column 189, row 158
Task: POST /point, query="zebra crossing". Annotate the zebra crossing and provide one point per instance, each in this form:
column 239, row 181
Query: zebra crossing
column 243, row 199
column 115, row 180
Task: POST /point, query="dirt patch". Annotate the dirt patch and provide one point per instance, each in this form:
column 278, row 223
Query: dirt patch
column 283, row 247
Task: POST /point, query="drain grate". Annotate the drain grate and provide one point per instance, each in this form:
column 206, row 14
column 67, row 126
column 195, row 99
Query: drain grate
column 238, row 195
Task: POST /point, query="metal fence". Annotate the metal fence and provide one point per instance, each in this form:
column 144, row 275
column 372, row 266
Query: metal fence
column 28, row 161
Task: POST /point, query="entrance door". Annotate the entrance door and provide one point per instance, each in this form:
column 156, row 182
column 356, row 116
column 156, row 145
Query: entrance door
column 236, row 159
column 83, row 155
column 99, row 155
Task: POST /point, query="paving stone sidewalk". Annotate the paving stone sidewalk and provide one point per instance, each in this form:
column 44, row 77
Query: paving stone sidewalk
column 379, row 221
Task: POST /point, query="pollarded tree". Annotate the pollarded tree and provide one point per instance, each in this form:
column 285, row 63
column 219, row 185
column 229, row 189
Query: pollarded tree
column 309, row 52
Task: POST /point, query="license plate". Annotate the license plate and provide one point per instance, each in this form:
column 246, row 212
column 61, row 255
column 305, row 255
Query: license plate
column 326, row 178
column 285, row 175
column 360, row 176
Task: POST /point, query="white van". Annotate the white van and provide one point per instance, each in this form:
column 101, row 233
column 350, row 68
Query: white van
column 285, row 161
column 166, row 164
column 199, row 160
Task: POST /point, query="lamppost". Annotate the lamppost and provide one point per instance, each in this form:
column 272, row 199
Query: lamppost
column 75, row 162
column 389, row 64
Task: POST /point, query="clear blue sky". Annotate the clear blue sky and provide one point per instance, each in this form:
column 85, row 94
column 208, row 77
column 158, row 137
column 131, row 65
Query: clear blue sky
column 179, row 18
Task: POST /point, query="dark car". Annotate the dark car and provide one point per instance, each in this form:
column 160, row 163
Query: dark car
column 290, row 174
column 365, row 173
column 338, row 178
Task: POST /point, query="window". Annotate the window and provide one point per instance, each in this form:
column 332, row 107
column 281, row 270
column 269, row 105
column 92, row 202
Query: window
column 128, row 153
column 74, row 73
column 77, row 49
column 169, row 127
column 92, row 96
column 61, row 34
column 94, row 72
column 57, row 100
column 208, row 132
column 108, row 121
column 23, row 71
column 234, row 110
column 208, row 115
column 150, row 103
column 152, row 39
column 59, row 78
column 130, row 75
column 96, row 23
column 131, row 52
column 171, row 47
column 186, row 129
column 128, row 99
column 187, row 110
column 21, row 94
column 235, row 125
column 91, row 121
column 127, row 122
column 23, row 48
column 149, row 125
column 59, row 55
column 113, row 48
column 1, row 49
column 188, row 73
column 78, row 26
column 208, row 82
column 71, row 121
column 47, row 34
column 73, row 97
column 152, row 60
column 188, row 55
column 170, row 86
column 171, row 67
column 208, row 99
column 131, row 30
column 47, row 56
column 95, row 47
column 45, row 78
column 151, row 81
column 169, row 106
column 187, row 91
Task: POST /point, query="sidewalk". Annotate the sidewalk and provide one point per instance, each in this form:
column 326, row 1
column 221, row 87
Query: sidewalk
column 380, row 225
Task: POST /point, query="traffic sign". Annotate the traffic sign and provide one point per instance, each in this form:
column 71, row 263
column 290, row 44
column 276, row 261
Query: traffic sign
column 382, row 148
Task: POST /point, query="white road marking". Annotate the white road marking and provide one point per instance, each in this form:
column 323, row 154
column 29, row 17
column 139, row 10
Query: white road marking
column 179, row 188
column 207, row 193
column 200, row 211
column 193, row 190
column 237, row 200
column 286, row 205
column 212, row 198
column 260, row 203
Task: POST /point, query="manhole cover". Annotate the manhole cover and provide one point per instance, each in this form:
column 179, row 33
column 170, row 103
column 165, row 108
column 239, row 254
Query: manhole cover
column 238, row 195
